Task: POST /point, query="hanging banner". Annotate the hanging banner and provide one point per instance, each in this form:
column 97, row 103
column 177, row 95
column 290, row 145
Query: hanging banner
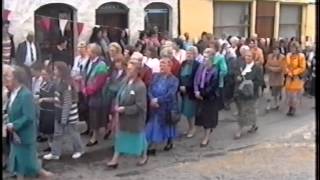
column 5, row 14
column 62, row 24
column 80, row 27
column 46, row 23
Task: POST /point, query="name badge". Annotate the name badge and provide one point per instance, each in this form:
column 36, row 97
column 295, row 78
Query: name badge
column 132, row 92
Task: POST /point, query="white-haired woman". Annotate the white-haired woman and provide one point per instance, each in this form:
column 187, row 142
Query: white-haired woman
column 23, row 160
column 186, row 77
column 131, row 105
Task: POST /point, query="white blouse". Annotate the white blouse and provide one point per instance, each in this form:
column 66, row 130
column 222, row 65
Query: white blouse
column 152, row 63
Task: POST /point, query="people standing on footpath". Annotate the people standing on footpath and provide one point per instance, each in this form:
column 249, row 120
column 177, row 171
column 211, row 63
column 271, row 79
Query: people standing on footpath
column 295, row 67
column 8, row 47
column 66, row 113
column 162, row 101
column 186, row 88
column 248, row 81
column 21, row 126
column 275, row 69
column 206, row 90
column 77, row 75
column 28, row 55
column 131, row 105
column 96, row 74
column 118, row 74
column 47, row 110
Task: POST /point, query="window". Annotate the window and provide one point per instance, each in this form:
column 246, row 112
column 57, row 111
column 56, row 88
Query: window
column 231, row 19
column 157, row 14
column 290, row 21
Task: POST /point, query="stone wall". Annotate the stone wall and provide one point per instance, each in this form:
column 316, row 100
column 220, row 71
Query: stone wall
column 22, row 14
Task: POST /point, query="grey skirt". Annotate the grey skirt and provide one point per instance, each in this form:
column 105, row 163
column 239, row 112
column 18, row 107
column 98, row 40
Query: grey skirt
column 247, row 115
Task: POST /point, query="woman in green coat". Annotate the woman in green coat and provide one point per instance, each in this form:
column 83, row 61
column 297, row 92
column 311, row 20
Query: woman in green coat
column 23, row 159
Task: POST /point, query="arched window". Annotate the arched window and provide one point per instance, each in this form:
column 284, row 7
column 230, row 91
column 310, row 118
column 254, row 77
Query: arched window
column 113, row 15
column 48, row 38
column 157, row 14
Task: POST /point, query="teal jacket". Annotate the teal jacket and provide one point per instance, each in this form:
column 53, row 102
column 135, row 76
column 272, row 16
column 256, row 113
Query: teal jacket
column 220, row 62
column 22, row 115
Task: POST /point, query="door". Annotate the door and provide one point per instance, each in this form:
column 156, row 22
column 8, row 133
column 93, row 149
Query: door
column 265, row 19
column 115, row 17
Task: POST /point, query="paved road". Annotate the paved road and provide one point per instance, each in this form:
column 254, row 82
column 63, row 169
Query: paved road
column 269, row 151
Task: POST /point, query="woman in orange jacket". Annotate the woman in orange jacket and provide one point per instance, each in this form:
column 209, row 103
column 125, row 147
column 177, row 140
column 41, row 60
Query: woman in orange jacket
column 295, row 68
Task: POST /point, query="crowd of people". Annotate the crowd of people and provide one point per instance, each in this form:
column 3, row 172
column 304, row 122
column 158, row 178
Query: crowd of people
column 138, row 94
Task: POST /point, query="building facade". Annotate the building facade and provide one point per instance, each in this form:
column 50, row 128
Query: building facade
column 42, row 16
column 266, row 18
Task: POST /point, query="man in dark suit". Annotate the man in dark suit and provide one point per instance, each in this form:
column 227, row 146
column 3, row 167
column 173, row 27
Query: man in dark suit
column 28, row 54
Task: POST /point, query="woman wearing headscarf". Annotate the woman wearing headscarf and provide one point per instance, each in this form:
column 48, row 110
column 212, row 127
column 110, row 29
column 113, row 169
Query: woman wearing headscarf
column 206, row 87
column 275, row 70
column 131, row 105
column 295, row 67
column 248, row 81
column 186, row 88
column 21, row 126
column 162, row 94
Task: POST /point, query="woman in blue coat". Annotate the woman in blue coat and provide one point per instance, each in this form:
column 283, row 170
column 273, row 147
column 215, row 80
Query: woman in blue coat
column 23, row 159
column 163, row 99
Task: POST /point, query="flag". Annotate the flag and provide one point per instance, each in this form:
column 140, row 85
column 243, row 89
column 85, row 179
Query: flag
column 46, row 23
column 80, row 27
column 62, row 24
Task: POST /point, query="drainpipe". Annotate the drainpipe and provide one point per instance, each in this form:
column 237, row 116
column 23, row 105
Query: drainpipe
column 179, row 17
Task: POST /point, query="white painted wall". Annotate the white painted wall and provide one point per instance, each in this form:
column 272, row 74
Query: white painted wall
column 22, row 14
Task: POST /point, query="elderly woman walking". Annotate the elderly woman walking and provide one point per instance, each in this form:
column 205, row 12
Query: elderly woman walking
column 248, row 81
column 162, row 94
column 186, row 77
column 96, row 74
column 275, row 70
column 66, row 113
column 131, row 105
column 118, row 74
column 23, row 159
column 206, row 90
column 295, row 67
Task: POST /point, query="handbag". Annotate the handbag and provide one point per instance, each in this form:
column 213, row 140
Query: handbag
column 173, row 117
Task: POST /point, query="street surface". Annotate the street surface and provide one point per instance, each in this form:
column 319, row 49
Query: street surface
column 282, row 149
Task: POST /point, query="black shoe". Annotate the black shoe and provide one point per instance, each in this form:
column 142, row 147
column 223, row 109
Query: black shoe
column 253, row 129
column 92, row 143
column 151, row 152
column 41, row 139
column 106, row 136
column 47, row 149
column 168, row 147
column 202, row 145
column 289, row 113
column 113, row 166
column 85, row 133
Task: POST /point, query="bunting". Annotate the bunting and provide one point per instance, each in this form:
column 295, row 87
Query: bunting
column 46, row 23
column 62, row 25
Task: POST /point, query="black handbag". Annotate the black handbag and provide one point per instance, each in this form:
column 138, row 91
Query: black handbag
column 173, row 117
